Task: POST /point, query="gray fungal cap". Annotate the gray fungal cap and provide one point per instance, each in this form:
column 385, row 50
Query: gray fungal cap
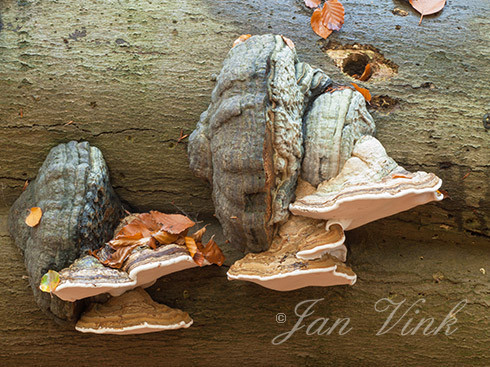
column 80, row 212
column 249, row 142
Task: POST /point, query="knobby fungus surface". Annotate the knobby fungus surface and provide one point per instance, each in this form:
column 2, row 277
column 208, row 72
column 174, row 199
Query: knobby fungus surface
column 79, row 212
column 272, row 125
column 63, row 223
column 249, row 142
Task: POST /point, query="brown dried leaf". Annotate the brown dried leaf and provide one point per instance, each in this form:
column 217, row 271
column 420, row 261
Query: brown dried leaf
column 165, row 238
column 329, row 18
column 197, row 236
column 172, row 223
column 366, row 74
column 195, row 250
column 365, row 93
column 34, row 216
column 312, row 3
column 213, row 253
column 117, row 258
column 426, row 7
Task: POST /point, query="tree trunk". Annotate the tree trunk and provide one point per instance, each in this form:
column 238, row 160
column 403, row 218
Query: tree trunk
column 130, row 77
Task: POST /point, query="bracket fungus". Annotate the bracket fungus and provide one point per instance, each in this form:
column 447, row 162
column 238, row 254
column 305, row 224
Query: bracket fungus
column 132, row 313
column 249, row 142
column 79, row 211
column 275, row 125
column 74, row 212
column 141, row 265
column 280, row 268
column 370, row 186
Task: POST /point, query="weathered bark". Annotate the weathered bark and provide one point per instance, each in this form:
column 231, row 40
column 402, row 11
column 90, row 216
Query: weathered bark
column 235, row 322
column 133, row 74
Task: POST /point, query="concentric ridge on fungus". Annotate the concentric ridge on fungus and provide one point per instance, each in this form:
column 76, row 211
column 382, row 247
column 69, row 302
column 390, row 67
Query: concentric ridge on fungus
column 80, row 211
column 249, row 142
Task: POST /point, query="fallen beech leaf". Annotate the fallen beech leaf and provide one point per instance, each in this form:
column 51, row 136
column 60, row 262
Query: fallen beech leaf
column 25, row 185
column 365, row 93
column 427, row 7
column 165, row 238
column 444, row 193
column 241, row 39
column 312, row 3
column 197, row 236
column 465, row 176
column 172, row 223
column 213, row 253
column 366, row 74
column 34, row 216
column 49, row 281
column 117, row 258
column 195, row 250
column 327, row 19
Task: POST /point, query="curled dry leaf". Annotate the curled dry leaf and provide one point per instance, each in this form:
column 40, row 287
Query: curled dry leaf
column 366, row 74
column 427, row 7
column 312, row 3
column 241, row 39
column 213, row 253
column 327, row 19
column 365, row 93
column 156, row 229
column 34, row 216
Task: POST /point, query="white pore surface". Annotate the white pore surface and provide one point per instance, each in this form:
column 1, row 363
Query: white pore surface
column 358, row 210
column 138, row 329
column 299, row 279
column 143, row 275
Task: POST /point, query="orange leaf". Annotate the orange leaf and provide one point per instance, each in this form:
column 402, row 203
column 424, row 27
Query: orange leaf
column 241, row 39
column 165, row 238
column 195, row 250
column 366, row 74
column 117, row 258
column 329, row 18
column 400, row 176
column 365, row 93
column 172, row 223
column 312, row 3
column 426, row 7
column 34, row 216
column 213, row 253
column 197, row 236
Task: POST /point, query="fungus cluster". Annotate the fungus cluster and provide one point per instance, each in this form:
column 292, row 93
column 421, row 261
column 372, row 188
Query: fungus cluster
column 293, row 164
column 71, row 258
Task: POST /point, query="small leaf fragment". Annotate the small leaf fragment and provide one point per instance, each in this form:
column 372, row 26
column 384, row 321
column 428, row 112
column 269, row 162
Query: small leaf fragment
column 241, row 39
column 366, row 74
column 312, row 3
column 288, row 42
column 365, row 93
column 34, row 216
column 49, row 281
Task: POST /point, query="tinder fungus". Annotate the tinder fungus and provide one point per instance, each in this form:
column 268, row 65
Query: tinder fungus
column 249, row 142
column 276, row 125
column 132, row 313
column 370, row 186
column 79, row 212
